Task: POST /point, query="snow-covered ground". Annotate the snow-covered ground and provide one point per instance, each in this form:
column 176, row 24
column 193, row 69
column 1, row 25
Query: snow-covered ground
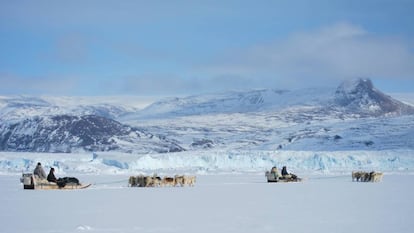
column 217, row 203
column 230, row 194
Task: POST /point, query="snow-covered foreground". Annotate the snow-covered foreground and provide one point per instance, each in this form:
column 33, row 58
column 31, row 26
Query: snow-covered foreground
column 218, row 203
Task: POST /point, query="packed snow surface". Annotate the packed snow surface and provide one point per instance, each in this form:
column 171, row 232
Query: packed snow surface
column 230, row 194
column 217, row 203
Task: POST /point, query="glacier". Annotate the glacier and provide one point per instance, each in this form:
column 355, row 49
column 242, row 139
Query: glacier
column 210, row 162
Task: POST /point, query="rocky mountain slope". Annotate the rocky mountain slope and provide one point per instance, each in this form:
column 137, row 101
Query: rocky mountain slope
column 354, row 116
column 357, row 98
column 360, row 96
column 66, row 133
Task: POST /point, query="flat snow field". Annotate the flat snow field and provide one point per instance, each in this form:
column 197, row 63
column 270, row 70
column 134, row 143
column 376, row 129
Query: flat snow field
column 218, row 203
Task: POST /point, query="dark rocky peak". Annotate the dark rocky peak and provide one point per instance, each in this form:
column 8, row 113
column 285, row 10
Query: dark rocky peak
column 89, row 128
column 360, row 96
column 67, row 133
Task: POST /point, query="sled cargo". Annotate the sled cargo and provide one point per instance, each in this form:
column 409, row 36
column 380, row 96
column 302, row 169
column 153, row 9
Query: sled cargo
column 273, row 178
column 31, row 182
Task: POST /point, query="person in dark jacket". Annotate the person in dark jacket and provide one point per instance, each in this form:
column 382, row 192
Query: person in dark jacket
column 51, row 177
column 286, row 174
column 284, row 171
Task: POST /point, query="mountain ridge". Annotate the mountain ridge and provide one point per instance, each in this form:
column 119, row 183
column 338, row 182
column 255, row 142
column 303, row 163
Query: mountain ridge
column 360, row 95
column 328, row 119
column 356, row 97
column 66, row 133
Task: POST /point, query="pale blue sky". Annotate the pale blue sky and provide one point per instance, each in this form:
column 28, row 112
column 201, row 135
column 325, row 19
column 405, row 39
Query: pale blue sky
column 190, row 47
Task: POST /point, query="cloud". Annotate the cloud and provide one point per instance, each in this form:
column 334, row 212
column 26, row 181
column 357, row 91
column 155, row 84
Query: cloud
column 23, row 85
column 322, row 56
column 156, row 84
column 167, row 84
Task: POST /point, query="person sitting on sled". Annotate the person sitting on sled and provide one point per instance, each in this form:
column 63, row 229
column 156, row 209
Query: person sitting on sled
column 287, row 175
column 39, row 172
column 51, row 177
column 274, row 172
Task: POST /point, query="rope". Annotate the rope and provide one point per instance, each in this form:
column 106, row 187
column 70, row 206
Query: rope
column 112, row 182
column 328, row 177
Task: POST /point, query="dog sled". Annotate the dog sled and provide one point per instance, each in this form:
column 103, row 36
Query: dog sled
column 274, row 177
column 271, row 178
column 31, row 181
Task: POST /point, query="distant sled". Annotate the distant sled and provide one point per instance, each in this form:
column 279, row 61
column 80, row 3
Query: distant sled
column 273, row 177
column 31, row 182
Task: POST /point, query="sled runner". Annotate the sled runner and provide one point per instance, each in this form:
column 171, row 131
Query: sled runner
column 30, row 181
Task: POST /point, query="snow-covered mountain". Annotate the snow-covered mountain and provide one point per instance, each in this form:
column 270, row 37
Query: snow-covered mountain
column 17, row 108
column 66, row 133
column 354, row 116
column 356, row 97
column 360, row 96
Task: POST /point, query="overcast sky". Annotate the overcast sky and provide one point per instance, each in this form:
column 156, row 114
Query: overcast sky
column 78, row 48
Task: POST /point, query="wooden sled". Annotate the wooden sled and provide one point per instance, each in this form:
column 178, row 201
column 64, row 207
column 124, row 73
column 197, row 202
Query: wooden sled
column 31, row 182
column 271, row 178
column 51, row 185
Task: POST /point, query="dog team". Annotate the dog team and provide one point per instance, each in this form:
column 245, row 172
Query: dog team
column 157, row 181
column 361, row 176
